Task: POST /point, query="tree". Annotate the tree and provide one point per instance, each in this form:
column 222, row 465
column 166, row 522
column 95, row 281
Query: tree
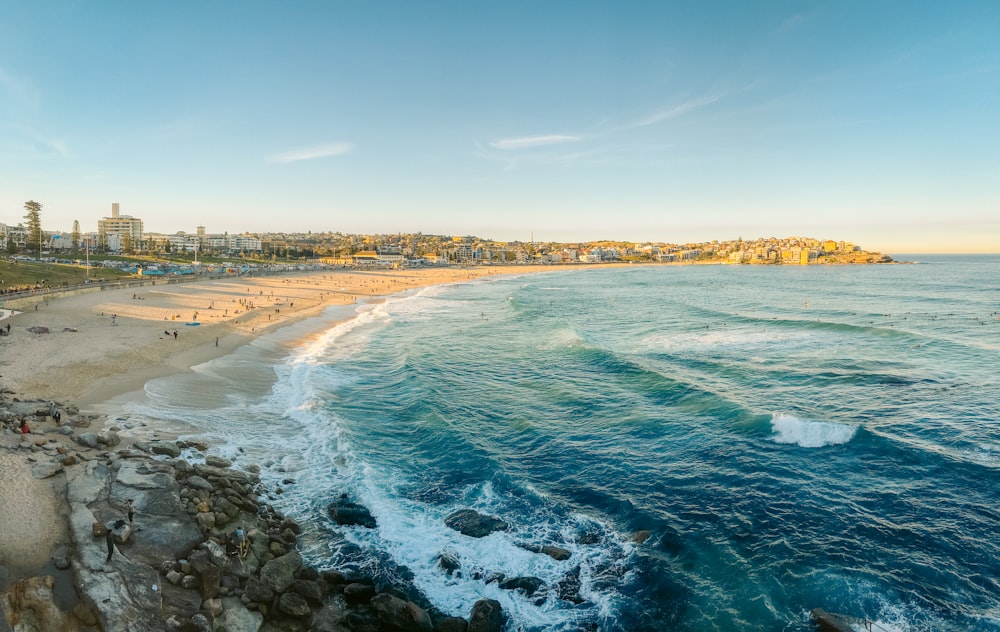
column 34, row 217
column 11, row 245
column 127, row 243
column 75, row 237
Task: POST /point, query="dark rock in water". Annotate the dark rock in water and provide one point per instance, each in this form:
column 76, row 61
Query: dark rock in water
column 358, row 593
column 529, row 585
column 294, row 604
column 568, row 588
column 557, row 553
column 474, row 524
column 494, row 577
column 344, row 512
column 397, row 614
column 830, row 622
column 590, row 537
column 640, row 536
column 448, row 561
column 487, row 616
column 452, row 624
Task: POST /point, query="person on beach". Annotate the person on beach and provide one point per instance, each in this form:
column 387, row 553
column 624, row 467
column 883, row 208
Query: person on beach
column 175, row 334
column 24, row 427
column 131, row 511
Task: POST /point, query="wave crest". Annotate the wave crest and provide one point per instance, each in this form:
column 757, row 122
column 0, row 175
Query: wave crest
column 809, row 434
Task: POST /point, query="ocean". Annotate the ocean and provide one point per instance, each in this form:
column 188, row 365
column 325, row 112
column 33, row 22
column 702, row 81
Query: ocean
column 789, row 437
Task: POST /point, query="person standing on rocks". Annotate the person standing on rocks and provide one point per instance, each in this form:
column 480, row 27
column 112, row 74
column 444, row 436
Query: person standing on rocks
column 131, row 511
column 110, row 539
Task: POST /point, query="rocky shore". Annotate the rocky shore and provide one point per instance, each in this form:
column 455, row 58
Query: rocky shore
column 204, row 550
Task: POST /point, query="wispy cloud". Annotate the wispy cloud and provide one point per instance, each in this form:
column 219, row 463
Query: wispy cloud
column 20, row 90
column 673, row 112
column 311, row 153
column 526, row 142
column 43, row 144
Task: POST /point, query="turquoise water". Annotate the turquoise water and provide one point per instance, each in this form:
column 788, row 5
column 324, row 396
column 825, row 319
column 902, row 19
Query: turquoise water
column 791, row 438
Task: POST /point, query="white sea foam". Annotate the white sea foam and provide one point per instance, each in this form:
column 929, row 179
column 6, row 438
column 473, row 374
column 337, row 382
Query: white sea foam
column 810, row 434
column 731, row 340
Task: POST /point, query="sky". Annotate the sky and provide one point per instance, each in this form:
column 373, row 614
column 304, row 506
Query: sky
column 658, row 121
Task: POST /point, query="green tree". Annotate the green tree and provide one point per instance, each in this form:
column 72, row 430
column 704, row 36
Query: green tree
column 75, row 236
column 11, row 245
column 34, row 218
column 127, row 243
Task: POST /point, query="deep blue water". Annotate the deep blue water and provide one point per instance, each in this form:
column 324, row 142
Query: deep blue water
column 791, row 437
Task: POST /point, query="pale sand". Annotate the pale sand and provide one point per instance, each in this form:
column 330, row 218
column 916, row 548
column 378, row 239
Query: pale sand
column 31, row 520
column 104, row 358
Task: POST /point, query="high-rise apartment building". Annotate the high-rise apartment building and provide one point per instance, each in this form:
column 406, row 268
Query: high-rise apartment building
column 119, row 231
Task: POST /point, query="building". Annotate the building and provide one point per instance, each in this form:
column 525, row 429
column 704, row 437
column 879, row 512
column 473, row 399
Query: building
column 119, row 232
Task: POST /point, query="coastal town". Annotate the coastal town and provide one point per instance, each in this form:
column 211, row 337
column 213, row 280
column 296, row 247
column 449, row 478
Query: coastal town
column 124, row 235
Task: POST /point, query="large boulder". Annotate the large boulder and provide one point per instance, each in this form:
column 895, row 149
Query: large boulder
column 279, row 573
column 329, row 618
column 88, row 440
column 167, row 531
column 832, row 622
column 556, row 552
column 474, row 524
column 452, row 624
column 396, row 614
column 356, row 593
column 237, row 618
column 345, row 512
column 294, row 605
column 28, row 607
column 46, row 470
column 487, row 616
column 165, row 448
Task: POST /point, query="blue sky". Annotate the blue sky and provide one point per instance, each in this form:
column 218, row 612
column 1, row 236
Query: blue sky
column 877, row 122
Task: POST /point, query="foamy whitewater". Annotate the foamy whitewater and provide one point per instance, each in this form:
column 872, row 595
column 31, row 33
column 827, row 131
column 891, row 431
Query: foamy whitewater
column 791, row 438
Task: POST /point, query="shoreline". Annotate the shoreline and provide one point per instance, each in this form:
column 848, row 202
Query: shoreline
column 105, row 346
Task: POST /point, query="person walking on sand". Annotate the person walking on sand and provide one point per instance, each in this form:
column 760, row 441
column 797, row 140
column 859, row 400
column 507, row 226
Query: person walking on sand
column 175, row 334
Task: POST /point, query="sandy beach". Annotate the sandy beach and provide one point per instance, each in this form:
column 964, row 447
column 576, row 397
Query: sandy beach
column 103, row 344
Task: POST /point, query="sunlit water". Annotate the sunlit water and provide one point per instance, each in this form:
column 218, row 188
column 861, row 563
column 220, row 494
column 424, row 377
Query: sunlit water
column 791, row 438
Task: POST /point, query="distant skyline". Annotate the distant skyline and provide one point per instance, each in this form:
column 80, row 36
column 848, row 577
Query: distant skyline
column 877, row 123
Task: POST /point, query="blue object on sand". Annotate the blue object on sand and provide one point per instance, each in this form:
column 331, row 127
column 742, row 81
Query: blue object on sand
column 192, row 324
